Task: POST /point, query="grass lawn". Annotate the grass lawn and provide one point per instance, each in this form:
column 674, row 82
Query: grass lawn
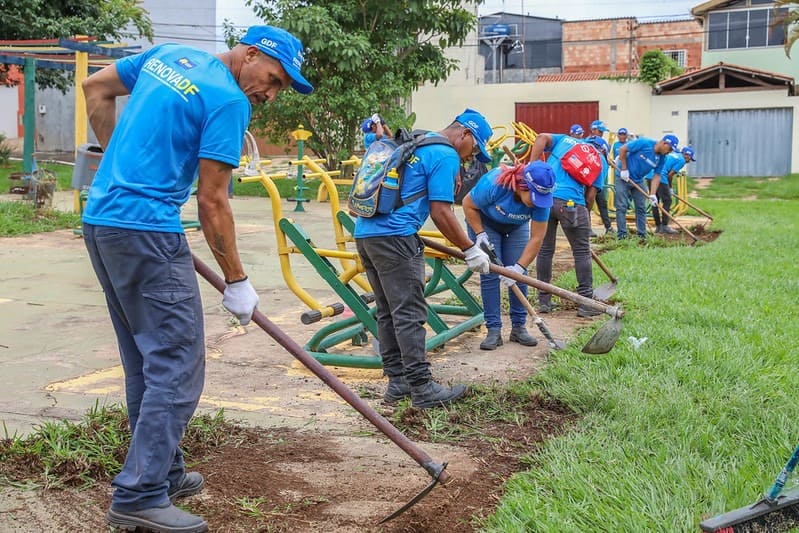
column 701, row 417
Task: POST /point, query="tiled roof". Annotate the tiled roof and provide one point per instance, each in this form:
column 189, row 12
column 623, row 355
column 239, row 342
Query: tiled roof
column 583, row 76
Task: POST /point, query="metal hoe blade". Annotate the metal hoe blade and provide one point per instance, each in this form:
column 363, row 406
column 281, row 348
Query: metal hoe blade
column 605, row 337
column 750, row 512
column 413, row 501
column 604, row 292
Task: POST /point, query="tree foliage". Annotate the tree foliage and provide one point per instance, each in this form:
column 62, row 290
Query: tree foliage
column 656, row 66
column 364, row 56
column 789, row 20
column 53, row 19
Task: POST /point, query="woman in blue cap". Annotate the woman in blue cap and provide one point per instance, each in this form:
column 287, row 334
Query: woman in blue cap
column 508, row 210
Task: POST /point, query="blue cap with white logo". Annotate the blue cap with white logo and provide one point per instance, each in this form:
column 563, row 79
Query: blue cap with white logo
column 576, row 129
column 622, row 131
column 688, row 151
column 283, row 46
column 540, row 180
column 481, row 131
column 672, row 141
column 599, row 125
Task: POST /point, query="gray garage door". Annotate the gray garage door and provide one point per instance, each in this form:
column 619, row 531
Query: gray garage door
column 741, row 142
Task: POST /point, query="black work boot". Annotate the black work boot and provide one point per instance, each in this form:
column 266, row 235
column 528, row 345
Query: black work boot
column 522, row 336
column 168, row 519
column 190, row 484
column 398, row 388
column 545, row 306
column 431, row 394
column 587, row 312
column 492, row 340
column 666, row 229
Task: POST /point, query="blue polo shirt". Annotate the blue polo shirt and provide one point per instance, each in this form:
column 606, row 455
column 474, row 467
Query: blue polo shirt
column 566, row 187
column 184, row 106
column 642, row 159
column 673, row 162
column 433, row 167
column 500, row 206
column 368, row 139
column 614, row 150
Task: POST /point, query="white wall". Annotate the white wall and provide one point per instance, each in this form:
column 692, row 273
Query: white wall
column 9, row 103
column 666, row 121
column 436, row 107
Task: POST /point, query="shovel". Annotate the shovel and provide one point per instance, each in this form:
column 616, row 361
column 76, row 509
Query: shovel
column 554, row 344
column 604, row 292
column 605, row 337
column 436, row 470
column 665, row 214
column 692, row 206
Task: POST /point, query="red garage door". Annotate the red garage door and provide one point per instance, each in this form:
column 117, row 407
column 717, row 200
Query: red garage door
column 557, row 117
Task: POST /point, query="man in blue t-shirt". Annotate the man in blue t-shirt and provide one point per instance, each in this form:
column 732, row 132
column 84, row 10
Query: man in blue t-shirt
column 621, row 140
column 374, row 128
column 571, row 203
column 393, row 256
column 636, row 160
column 185, row 119
column 674, row 163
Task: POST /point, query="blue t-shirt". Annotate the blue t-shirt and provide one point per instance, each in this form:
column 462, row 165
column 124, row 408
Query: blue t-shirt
column 500, row 206
column 184, row 106
column 673, row 162
column 614, row 150
column 642, row 159
column 433, row 167
column 368, row 139
column 566, row 187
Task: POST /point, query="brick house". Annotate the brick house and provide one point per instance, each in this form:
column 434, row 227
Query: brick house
column 615, row 45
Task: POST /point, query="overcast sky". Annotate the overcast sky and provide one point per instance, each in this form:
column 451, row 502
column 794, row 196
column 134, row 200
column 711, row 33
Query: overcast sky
column 591, row 9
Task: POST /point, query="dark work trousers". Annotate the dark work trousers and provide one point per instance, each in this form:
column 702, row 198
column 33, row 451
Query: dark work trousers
column 395, row 269
column 154, row 301
column 664, row 195
column 602, row 206
column 576, row 226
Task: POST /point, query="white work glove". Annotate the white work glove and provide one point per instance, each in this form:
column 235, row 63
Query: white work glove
column 671, row 191
column 477, row 260
column 376, row 118
column 481, row 241
column 653, row 201
column 509, row 282
column 241, row 300
column 624, row 175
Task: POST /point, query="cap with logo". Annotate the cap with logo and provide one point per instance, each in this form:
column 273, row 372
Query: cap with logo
column 576, row 129
column 599, row 125
column 600, row 143
column 481, row 131
column 283, row 46
column 622, row 131
column 687, row 150
column 540, row 180
column 672, row 141
column 366, row 125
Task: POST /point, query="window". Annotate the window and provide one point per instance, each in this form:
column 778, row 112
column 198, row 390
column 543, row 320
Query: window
column 677, row 55
column 744, row 29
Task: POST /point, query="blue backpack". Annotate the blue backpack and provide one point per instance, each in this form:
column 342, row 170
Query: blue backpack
column 377, row 186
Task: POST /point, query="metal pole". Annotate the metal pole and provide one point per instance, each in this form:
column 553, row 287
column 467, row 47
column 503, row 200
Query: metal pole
column 29, row 118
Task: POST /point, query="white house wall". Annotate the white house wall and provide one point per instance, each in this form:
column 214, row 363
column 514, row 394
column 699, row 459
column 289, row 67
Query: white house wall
column 9, row 103
column 435, row 107
column 665, row 106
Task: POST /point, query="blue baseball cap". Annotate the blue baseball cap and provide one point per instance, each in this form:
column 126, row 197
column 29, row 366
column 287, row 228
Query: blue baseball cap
column 600, row 143
column 622, row 131
column 672, row 141
column 598, row 124
column 481, row 131
column 366, row 125
column 689, row 152
column 576, row 129
column 283, row 46
column 540, row 179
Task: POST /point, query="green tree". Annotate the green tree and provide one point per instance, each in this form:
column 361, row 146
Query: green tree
column 790, row 20
column 53, row 19
column 656, row 66
column 364, row 56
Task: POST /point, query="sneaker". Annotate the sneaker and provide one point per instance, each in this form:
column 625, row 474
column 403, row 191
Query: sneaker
column 587, row 312
column 522, row 336
column 545, row 307
column 666, row 229
column 592, row 235
column 431, row 394
column 398, row 389
column 659, row 229
column 492, row 340
column 167, row 519
column 608, row 231
column 191, row 484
